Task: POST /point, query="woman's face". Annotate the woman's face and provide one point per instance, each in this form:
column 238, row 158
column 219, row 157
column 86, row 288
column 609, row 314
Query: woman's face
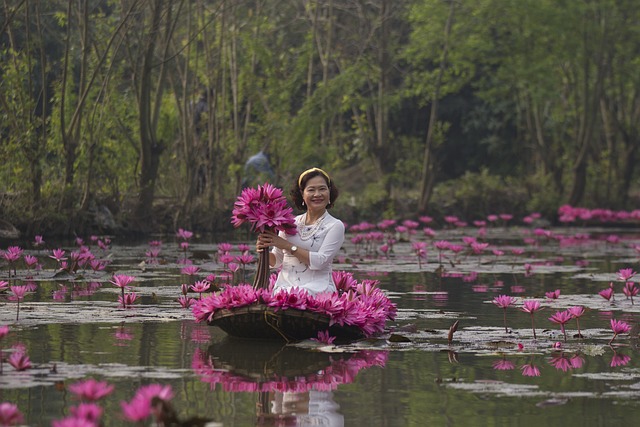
column 316, row 194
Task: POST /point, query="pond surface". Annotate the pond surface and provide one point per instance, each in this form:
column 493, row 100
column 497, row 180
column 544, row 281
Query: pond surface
column 72, row 328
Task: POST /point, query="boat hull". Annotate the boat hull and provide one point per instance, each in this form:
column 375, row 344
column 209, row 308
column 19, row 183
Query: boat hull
column 259, row 321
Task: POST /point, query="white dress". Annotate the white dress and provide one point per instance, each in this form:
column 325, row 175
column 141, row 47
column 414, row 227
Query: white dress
column 323, row 243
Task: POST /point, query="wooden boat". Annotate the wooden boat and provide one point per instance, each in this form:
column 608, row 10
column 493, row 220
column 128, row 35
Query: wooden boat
column 259, row 321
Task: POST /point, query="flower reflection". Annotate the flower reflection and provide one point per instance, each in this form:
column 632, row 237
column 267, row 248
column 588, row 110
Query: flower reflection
column 619, row 360
column 60, row 294
column 503, row 365
column 440, row 298
column 530, row 370
column 122, row 336
column 576, row 361
column 334, row 373
column 560, row 362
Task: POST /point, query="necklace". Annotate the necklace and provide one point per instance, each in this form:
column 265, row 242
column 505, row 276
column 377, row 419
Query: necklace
column 308, row 231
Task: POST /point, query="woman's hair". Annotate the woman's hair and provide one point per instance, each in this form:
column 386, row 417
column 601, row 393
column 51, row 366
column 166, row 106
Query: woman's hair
column 300, row 184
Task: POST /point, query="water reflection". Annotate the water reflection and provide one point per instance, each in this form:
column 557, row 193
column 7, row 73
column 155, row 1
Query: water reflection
column 295, row 386
column 236, row 366
column 313, row 408
column 72, row 324
column 560, row 360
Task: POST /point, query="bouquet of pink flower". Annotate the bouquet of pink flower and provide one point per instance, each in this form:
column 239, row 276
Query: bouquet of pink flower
column 265, row 208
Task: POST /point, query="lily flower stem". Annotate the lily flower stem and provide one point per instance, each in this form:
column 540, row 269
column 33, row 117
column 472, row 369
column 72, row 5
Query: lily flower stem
column 533, row 327
column 505, row 321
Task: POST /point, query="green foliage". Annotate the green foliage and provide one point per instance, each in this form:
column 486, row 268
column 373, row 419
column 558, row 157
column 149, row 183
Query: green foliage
column 528, row 91
column 476, row 195
column 542, row 195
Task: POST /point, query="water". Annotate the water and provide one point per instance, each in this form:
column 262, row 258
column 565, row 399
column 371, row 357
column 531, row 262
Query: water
column 413, row 376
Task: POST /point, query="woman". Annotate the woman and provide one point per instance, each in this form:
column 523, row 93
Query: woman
column 306, row 258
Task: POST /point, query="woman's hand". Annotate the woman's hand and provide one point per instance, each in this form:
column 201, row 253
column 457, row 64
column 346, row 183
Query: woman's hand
column 269, row 238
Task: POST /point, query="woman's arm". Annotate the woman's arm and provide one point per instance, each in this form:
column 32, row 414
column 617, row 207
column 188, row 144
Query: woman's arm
column 329, row 249
column 271, row 239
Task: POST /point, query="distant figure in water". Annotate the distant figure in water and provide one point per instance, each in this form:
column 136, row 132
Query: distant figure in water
column 257, row 170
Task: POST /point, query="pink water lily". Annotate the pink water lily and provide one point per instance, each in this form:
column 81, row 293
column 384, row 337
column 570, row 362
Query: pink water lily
column 504, row 301
column 607, row 293
column 185, row 301
column 122, row 281
column 630, row 290
column 293, row 298
column 190, row 270
column 87, row 412
column 420, row 249
column 264, row 208
column 9, row 414
column 245, row 258
column 91, row 390
column 324, row 337
column 20, row 361
column 344, row 280
column 58, row 255
column 618, row 327
column 363, row 305
column 561, row 318
column 12, row 255
column 128, row 299
column 140, row 408
column 577, row 312
column 38, row 241
column 625, row 274
column 200, row 286
column 531, row 306
column 19, row 291
column 184, row 234
column 30, row 261
column 553, row 294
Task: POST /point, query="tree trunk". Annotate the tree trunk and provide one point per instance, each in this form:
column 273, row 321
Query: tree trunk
column 427, row 173
column 150, row 93
column 591, row 95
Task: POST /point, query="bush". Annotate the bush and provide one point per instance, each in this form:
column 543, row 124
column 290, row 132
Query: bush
column 473, row 196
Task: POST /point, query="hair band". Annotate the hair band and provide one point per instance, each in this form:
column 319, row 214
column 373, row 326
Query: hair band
column 302, row 175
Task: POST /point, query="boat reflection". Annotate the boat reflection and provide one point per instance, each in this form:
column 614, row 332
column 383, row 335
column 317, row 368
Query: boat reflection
column 294, row 385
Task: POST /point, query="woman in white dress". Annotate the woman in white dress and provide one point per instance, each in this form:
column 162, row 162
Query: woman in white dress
column 307, row 257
